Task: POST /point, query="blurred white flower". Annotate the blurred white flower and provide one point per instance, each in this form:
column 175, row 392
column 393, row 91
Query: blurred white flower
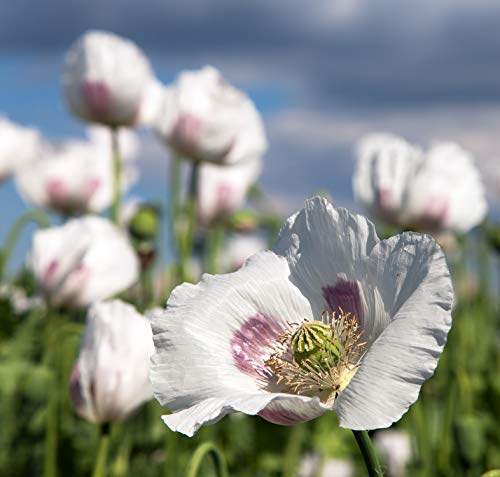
column 312, row 466
column 337, row 468
column 239, row 248
column 395, row 447
column 110, row 376
column 107, row 79
column 332, row 319
column 76, row 176
column 19, row 300
column 221, row 190
column 18, row 146
column 204, row 118
column 83, row 261
column 440, row 190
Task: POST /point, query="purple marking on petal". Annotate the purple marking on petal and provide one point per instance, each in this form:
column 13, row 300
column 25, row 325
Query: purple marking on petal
column 75, row 390
column 56, row 191
column 93, row 185
column 225, row 194
column 49, row 273
column 252, row 344
column 345, row 294
column 97, row 98
column 385, row 200
column 282, row 416
column 435, row 213
column 185, row 134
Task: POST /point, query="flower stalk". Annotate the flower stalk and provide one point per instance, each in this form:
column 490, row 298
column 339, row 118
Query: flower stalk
column 37, row 216
column 186, row 244
column 368, row 452
column 102, row 453
column 208, row 448
column 216, row 238
column 51, row 431
column 52, row 420
column 173, row 200
column 117, row 172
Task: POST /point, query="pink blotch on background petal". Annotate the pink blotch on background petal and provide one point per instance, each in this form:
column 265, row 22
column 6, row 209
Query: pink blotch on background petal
column 345, row 294
column 56, row 191
column 97, row 98
column 92, row 186
column 224, row 196
column 252, row 345
column 186, row 133
column 385, row 199
column 436, row 210
column 49, row 272
column 75, row 390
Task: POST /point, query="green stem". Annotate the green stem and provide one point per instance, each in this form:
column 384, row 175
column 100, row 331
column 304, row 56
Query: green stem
column 216, row 238
column 171, row 453
column 146, row 280
column 102, row 453
column 186, row 245
column 174, row 191
column 52, row 422
column 37, row 216
column 117, row 172
column 292, row 450
column 418, row 415
column 208, row 448
column 445, row 443
column 369, row 455
column 50, row 461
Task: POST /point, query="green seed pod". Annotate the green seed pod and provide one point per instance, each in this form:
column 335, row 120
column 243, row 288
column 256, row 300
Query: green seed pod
column 145, row 223
column 315, row 343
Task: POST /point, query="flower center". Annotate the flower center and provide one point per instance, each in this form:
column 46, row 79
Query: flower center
column 319, row 358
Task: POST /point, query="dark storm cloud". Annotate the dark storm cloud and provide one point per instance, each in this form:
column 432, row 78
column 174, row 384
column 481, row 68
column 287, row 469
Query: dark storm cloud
column 385, row 52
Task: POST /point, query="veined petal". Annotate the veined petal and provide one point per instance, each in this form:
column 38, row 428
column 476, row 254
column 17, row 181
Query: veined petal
column 414, row 282
column 327, row 250
column 284, row 409
column 213, row 339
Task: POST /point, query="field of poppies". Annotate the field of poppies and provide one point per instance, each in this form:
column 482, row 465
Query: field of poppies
column 324, row 344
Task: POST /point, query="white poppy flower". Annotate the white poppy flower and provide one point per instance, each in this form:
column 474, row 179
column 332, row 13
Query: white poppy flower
column 18, row 146
column 204, row 118
column 76, row 176
column 221, row 190
column 110, row 376
column 440, row 190
column 83, row 261
column 239, row 248
column 395, row 447
column 107, row 79
column 333, row 319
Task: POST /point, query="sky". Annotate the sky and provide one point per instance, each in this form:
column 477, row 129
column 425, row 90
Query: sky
column 322, row 74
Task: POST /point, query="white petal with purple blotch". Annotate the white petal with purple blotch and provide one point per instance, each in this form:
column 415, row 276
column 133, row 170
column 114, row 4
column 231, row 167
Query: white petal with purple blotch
column 213, row 339
column 414, row 282
column 327, row 250
column 284, row 409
